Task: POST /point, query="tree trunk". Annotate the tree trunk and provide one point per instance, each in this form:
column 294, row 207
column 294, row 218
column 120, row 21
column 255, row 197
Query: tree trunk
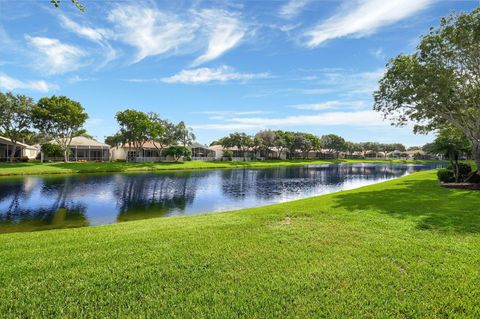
column 65, row 156
column 476, row 155
column 14, row 150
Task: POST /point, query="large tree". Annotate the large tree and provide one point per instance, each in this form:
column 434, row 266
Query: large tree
column 334, row 143
column 185, row 134
column 439, row 84
column 60, row 118
column 15, row 119
column 134, row 128
column 267, row 138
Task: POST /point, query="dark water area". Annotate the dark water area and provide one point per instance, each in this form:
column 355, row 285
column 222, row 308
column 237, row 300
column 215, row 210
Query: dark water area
column 46, row 202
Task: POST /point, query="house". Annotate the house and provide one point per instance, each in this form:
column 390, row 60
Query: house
column 202, row 152
column 22, row 150
column 84, row 149
column 151, row 152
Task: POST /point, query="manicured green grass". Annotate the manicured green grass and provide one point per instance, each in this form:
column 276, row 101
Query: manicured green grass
column 7, row 169
column 401, row 249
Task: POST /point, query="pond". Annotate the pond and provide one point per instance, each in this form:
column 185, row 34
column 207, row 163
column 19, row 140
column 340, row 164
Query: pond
column 46, row 202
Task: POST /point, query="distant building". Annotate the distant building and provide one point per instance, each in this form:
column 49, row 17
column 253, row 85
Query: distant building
column 22, row 150
column 84, row 149
column 152, row 152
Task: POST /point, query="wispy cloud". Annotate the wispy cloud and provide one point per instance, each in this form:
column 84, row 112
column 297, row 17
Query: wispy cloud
column 292, row 8
column 378, row 53
column 97, row 35
column 367, row 118
column 54, row 56
column 151, row 31
column 232, row 112
column 224, row 127
column 330, row 105
column 154, row 32
column 363, row 18
column 205, row 75
column 10, row 84
column 225, row 32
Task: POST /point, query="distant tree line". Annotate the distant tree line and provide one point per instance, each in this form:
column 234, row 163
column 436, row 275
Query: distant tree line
column 297, row 144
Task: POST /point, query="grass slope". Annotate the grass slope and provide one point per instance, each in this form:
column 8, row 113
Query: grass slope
column 403, row 249
column 34, row 168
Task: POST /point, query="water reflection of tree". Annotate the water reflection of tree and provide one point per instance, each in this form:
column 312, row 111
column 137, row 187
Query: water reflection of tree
column 266, row 183
column 147, row 196
column 43, row 218
column 61, row 213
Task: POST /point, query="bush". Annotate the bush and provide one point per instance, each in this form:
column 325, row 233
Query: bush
column 178, row 151
column 52, row 150
column 228, row 155
column 445, row 175
column 24, row 159
column 464, row 171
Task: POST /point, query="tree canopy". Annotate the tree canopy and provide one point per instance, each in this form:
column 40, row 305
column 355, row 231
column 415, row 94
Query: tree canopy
column 439, row 84
column 16, row 117
column 61, row 118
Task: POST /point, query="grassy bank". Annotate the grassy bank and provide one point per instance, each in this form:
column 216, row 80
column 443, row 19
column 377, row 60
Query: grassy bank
column 403, row 249
column 7, row 169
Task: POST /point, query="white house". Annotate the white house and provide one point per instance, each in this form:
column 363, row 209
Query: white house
column 85, row 149
column 22, row 150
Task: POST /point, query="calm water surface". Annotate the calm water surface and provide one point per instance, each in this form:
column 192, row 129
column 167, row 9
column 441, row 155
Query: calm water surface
column 46, row 202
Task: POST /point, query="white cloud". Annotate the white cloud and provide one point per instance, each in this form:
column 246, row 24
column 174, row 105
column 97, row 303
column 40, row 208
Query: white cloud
column 367, row 118
column 154, row 32
column 93, row 34
column 97, row 35
column 225, row 32
column 353, row 118
column 225, row 127
column 292, row 8
column 205, row 75
column 364, row 18
column 232, row 112
column 54, row 56
column 378, row 53
column 330, row 105
column 151, row 31
column 10, row 84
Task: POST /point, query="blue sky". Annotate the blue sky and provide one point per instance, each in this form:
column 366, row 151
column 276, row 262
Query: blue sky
column 221, row 66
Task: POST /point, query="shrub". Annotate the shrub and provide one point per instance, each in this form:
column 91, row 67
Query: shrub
column 24, row 159
column 445, row 175
column 52, row 150
column 178, row 151
column 228, row 155
column 464, row 171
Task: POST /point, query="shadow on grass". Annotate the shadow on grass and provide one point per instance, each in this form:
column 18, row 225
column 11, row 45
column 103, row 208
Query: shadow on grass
column 434, row 207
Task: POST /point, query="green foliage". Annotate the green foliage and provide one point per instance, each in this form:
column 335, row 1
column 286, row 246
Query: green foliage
column 334, row 143
column 178, row 152
column 461, row 171
column 16, row 117
column 438, row 85
column 227, row 154
column 445, row 175
column 134, row 127
column 61, row 118
column 52, row 150
column 76, row 3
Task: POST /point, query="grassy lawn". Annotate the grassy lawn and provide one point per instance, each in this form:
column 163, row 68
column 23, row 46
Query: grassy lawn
column 35, row 168
column 404, row 249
